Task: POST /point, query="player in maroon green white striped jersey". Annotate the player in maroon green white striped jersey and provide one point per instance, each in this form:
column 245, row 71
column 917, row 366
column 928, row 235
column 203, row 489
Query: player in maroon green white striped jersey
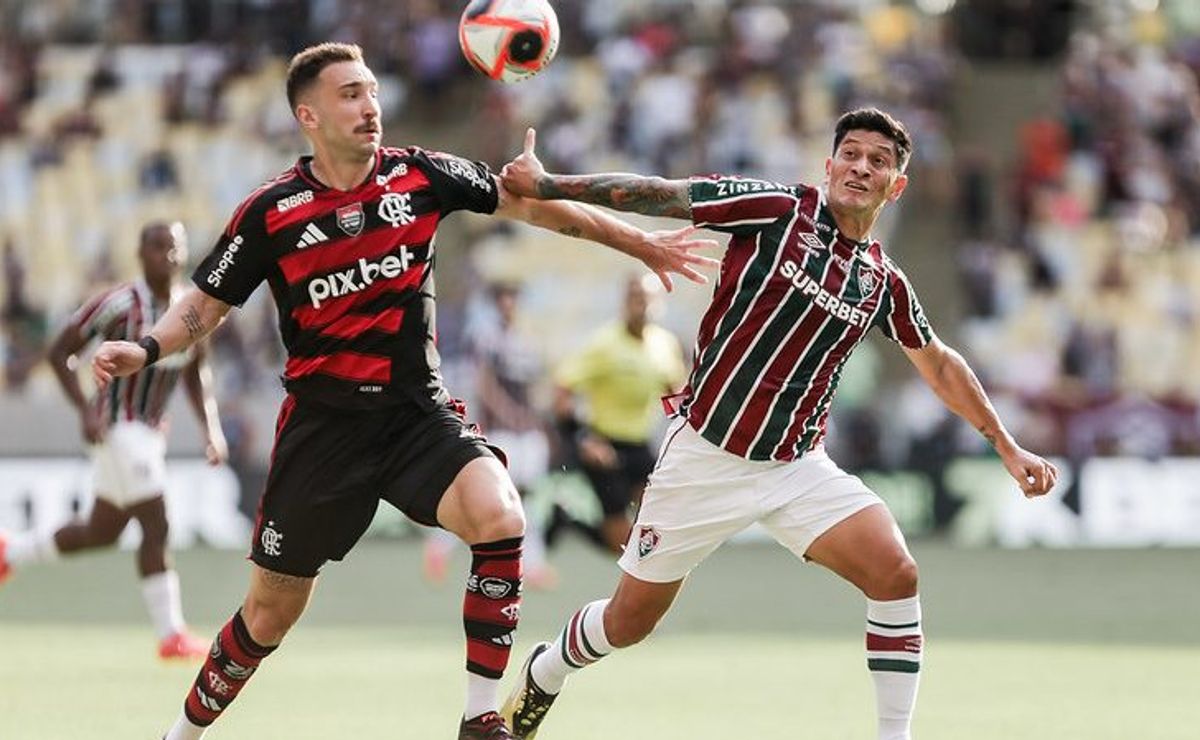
column 801, row 283
column 345, row 239
column 125, row 430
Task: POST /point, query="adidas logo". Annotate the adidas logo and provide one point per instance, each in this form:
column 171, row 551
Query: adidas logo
column 312, row 235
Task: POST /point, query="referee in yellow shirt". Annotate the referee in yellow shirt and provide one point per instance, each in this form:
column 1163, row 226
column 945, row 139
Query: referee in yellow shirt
column 620, row 375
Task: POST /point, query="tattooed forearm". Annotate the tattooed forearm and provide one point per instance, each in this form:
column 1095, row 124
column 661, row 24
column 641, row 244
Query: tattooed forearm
column 991, row 438
column 574, row 231
column 652, row 196
column 191, row 320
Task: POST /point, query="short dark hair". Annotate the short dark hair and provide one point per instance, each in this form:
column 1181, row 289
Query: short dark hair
column 306, row 66
column 873, row 119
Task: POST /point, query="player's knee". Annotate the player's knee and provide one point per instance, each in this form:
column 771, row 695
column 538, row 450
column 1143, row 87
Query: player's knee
column 899, row 581
column 508, row 523
column 269, row 621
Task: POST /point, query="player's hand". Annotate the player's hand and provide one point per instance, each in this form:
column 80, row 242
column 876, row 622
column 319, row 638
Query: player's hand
column 521, row 175
column 1035, row 475
column 671, row 252
column 91, row 424
column 116, row 360
column 597, row 452
column 217, row 449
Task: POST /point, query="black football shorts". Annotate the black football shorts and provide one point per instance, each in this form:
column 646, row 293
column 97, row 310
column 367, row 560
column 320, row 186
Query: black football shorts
column 330, row 468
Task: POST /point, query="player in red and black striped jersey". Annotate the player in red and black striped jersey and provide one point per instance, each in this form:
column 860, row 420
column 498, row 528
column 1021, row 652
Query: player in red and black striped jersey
column 123, row 428
column 801, row 284
column 345, row 240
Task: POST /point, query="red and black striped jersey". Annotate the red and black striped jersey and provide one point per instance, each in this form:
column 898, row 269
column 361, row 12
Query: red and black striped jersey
column 351, row 272
column 128, row 312
column 793, row 299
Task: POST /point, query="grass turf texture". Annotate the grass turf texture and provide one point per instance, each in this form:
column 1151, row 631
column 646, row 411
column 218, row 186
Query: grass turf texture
column 1030, row 644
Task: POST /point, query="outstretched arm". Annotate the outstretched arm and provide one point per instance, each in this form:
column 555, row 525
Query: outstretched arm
column 188, row 321
column 663, row 252
column 650, row 196
column 948, row 374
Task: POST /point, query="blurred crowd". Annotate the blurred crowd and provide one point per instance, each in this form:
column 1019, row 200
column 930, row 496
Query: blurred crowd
column 1078, row 278
column 1083, row 292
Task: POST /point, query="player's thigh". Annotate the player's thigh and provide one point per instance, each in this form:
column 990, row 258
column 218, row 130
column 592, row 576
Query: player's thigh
column 129, row 466
column 320, row 494
column 868, row 550
column 106, row 520
column 440, row 471
column 481, row 504
column 808, row 497
column 697, row 498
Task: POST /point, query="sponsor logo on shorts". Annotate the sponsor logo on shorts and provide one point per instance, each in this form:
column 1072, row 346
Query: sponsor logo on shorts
column 648, row 539
column 271, row 540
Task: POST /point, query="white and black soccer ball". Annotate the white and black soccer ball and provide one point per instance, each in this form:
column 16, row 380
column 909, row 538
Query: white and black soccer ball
column 508, row 40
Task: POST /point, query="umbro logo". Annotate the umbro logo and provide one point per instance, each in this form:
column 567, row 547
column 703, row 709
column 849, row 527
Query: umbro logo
column 312, row 235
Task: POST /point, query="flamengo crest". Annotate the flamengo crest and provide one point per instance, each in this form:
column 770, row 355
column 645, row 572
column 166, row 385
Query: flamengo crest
column 396, row 209
column 351, row 218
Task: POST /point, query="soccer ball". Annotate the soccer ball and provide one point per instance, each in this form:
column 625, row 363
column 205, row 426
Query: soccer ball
column 508, row 40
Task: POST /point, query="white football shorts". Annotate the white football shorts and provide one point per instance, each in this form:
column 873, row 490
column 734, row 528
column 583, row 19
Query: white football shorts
column 700, row 495
column 129, row 466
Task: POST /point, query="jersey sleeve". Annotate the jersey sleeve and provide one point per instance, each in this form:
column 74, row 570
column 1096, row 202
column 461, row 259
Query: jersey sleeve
column 239, row 260
column 904, row 320
column 459, row 184
column 738, row 205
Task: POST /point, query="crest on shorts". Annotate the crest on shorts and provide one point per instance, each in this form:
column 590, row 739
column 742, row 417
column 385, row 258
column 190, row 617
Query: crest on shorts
column 351, row 218
column 866, row 281
column 648, row 539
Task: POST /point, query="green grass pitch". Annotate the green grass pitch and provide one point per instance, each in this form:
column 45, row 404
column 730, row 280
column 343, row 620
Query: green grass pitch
column 1021, row 644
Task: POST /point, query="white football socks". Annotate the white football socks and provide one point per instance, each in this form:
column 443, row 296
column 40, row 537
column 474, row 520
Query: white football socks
column 581, row 643
column 160, row 592
column 894, row 645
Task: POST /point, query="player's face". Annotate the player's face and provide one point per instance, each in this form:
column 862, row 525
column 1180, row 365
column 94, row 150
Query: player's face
column 164, row 252
column 343, row 110
column 864, row 172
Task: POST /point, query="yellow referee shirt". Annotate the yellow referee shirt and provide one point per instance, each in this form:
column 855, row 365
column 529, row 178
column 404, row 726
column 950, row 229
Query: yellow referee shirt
column 622, row 378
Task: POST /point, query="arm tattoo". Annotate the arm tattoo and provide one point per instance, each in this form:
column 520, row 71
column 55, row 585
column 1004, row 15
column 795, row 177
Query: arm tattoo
column 191, row 319
column 991, row 438
column 571, row 231
column 652, row 196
